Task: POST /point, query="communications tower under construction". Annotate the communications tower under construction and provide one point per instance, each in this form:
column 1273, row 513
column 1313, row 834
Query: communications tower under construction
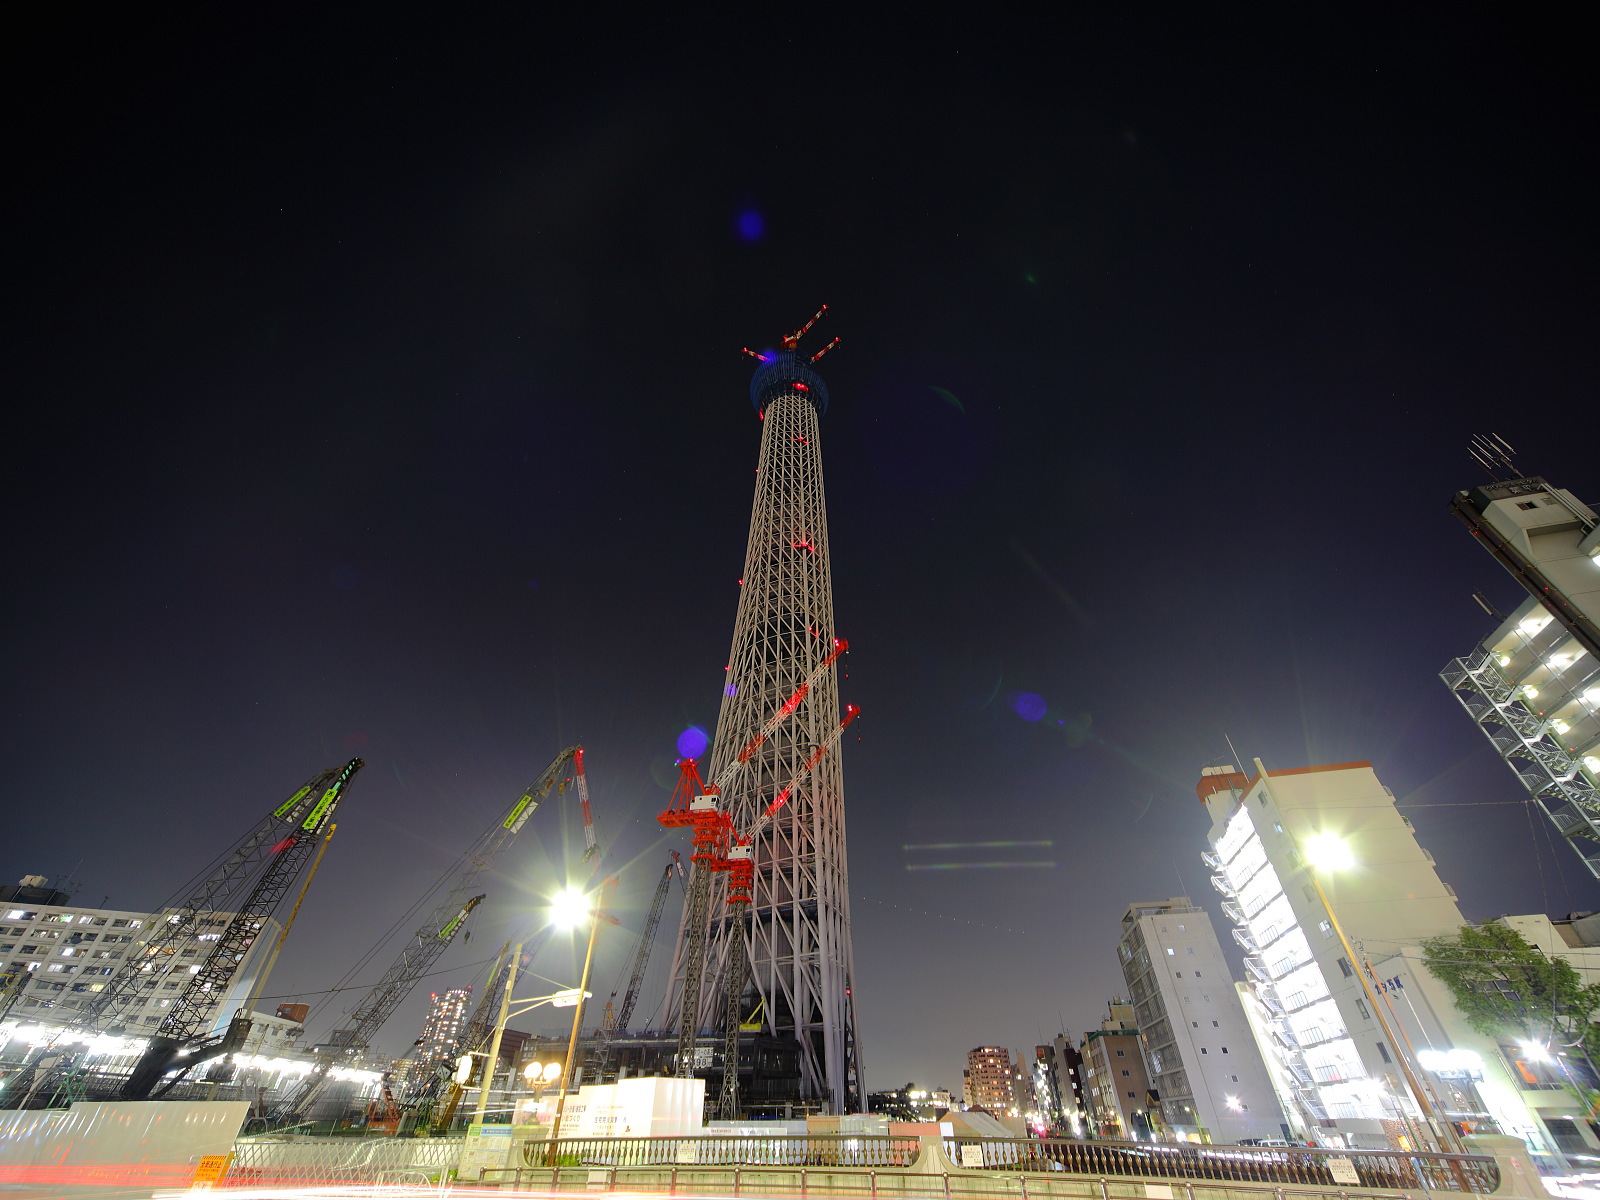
column 797, row 924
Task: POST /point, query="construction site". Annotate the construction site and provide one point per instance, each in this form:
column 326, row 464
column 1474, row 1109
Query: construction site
column 758, row 1011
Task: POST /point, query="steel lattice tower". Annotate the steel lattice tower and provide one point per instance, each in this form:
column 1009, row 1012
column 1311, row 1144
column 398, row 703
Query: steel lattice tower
column 798, row 928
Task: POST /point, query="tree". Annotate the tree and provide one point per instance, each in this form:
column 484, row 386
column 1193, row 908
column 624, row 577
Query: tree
column 1507, row 988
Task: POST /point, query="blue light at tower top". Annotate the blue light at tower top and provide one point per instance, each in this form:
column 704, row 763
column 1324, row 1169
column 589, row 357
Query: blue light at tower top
column 786, row 371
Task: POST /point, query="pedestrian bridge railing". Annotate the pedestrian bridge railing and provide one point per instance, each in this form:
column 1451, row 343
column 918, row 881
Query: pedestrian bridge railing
column 846, row 1165
column 1475, row 1173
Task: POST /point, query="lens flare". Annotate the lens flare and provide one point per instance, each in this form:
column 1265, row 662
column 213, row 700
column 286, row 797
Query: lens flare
column 750, row 225
column 692, row 742
column 1028, row 706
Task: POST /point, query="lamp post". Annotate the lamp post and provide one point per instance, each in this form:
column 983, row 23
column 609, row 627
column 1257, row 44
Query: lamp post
column 561, row 999
column 596, row 916
column 1331, row 853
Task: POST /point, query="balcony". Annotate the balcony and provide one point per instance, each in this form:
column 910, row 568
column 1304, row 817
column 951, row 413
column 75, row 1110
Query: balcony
column 1233, row 912
column 1245, row 940
column 1222, row 885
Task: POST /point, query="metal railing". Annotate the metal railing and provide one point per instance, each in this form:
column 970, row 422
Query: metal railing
column 1472, row 1173
column 324, row 1161
column 802, row 1150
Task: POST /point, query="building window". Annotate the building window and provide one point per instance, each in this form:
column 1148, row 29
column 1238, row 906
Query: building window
column 1384, row 1052
column 1361, row 1007
column 1202, row 1049
column 1345, row 968
column 1326, row 926
column 1131, row 1096
column 1120, row 1054
column 1170, row 951
column 1235, row 1078
column 1197, row 974
column 1125, row 1071
column 1196, row 1024
column 1213, row 1025
column 1224, row 1049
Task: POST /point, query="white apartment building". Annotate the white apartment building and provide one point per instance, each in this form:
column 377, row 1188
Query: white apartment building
column 1202, row 1059
column 68, row 953
column 1324, row 1045
column 1533, row 689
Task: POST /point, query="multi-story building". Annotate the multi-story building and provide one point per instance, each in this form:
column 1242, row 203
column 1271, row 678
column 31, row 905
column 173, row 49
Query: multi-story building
column 1070, row 1078
column 1047, row 1111
column 1202, row 1060
column 1116, row 1086
column 1533, row 688
column 1314, row 1022
column 442, row 1030
column 70, row 951
column 989, row 1081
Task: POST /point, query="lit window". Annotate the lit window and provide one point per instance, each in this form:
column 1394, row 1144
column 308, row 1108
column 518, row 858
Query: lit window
column 1171, row 951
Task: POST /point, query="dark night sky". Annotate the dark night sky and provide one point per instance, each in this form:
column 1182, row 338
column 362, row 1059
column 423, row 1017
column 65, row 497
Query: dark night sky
column 376, row 389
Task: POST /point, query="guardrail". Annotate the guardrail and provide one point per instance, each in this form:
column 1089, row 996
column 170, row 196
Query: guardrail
column 816, row 1150
column 306, row 1162
column 1300, row 1167
column 885, row 1184
column 870, row 1165
column 1474, row 1173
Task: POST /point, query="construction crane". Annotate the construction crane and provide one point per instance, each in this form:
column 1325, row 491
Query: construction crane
column 694, row 804
column 267, row 861
column 434, row 936
column 647, row 941
column 740, row 865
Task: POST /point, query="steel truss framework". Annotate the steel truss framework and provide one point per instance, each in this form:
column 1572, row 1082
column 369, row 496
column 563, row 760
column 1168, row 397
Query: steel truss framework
column 1554, row 778
column 797, row 929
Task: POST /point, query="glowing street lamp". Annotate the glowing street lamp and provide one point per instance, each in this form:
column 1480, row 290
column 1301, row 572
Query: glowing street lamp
column 1329, row 852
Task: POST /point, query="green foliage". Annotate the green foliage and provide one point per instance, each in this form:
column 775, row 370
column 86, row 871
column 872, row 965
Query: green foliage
column 1507, row 988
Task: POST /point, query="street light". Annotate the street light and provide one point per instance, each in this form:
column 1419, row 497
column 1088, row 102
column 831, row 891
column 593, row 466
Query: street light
column 569, row 908
column 1330, row 852
column 566, row 998
column 577, row 1007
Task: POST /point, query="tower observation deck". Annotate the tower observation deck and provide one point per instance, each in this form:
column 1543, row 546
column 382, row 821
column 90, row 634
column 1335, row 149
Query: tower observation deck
column 797, row 930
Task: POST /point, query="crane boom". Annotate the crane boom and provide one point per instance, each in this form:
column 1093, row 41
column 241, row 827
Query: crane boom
column 434, row 936
column 180, row 923
column 647, row 941
column 696, row 804
column 741, row 867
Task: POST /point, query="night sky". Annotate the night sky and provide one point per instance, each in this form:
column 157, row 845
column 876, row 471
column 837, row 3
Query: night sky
column 376, row 389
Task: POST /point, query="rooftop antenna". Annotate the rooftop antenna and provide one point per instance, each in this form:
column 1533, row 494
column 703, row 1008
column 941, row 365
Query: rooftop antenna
column 1493, row 453
column 791, row 341
column 1488, row 606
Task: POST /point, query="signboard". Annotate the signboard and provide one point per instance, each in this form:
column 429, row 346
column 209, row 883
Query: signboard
column 1343, row 1170
column 484, row 1146
column 1158, row 1191
column 210, row 1171
column 971, row 1155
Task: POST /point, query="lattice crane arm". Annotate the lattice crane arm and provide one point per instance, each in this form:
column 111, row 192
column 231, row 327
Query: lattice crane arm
column 299, row 822
column 851, row 712
column 438, row 930
column 647, row 941
column 784, row 712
